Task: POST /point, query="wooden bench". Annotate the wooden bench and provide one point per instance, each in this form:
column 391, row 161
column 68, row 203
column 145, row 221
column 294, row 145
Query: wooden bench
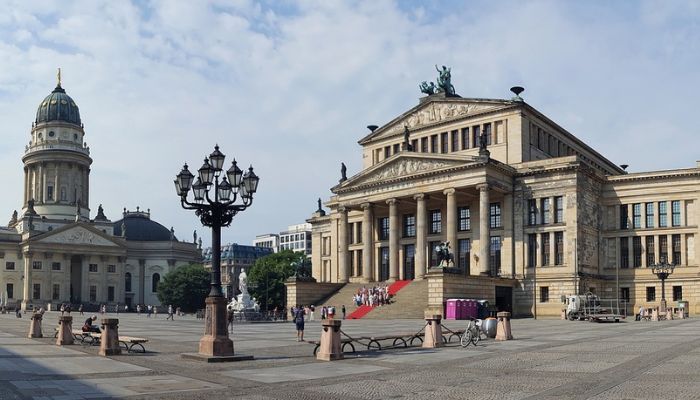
column 93, row 338
column 130, row 342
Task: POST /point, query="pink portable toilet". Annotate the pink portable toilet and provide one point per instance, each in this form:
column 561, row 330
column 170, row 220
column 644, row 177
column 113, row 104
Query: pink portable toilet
column 460, row 309
column 451, row 309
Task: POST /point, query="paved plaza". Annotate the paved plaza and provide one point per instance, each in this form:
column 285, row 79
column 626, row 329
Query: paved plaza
column 549, row 359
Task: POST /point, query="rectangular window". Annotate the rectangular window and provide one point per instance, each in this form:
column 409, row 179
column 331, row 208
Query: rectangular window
column 558, row 209
column 93, row 293
column 677, row 293
column 625, row 294
column 531, row 250
column 454, row 135
column 384, row 228
column 387, row 152
column 624, row 217
column 397, row 148
column 544, row 294
column 464, row 249
column 650, row 250
column 92, row 268
column 464, row 219
column 444, row 143
column 624, row 252
column 637, row 251
column 434, row 143
column 10, row 290
column 487, row 130
column 545, row 210
column 409, row 261
column 384, row 263
column 36, row 265
column 10, row 265
column 424, row 144
column 663, row 248
column 56, row 293
column 650, row 215
column 676, row 247
column 351, row 236
column 495, row 215
column 637, row 215
column 112, row 269
column 414, row 145
column 110, row 293
column 476, row 131
column 55, row 266
column 676, row 213
column 558, row 248
column 433, row 253
column 532, row 212
column 545, row 249
column 663, row 214
column 409, row 225
column 435, row 222
column 36, row 293
column 49, row 192
column 465, row 138
column 651, row 293
column 495, row 255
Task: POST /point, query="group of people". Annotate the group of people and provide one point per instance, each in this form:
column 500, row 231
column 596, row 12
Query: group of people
column 300, row 313
column 374, row 296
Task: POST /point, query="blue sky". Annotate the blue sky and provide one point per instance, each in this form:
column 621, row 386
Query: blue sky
column 290, row 86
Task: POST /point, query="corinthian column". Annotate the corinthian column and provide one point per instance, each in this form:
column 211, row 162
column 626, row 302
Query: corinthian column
column 393, row 239
column 484, row 234
column 421, row 236
column 451, row 219
column 343, row 245
column 367, row 242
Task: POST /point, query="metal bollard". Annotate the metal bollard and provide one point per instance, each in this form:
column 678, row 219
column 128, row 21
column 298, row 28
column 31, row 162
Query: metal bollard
column 109, row 342
column 503, row 328
column 330, row 348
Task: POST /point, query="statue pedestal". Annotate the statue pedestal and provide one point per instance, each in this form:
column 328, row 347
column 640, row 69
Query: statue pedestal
column 65, row 327
column 109, row 342
column 330, row 347
column 433, row 331
column 35, row 326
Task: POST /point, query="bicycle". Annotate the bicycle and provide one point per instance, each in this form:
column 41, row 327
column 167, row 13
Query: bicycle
column 472, row 334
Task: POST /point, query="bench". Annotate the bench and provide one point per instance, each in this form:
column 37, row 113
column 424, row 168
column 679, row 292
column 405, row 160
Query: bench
column 93, row 338
column 344, row 342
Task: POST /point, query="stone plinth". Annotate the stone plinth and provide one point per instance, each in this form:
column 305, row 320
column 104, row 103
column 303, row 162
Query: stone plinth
column 503, row 328
column 35, row 326
column 109, row 342
column 65, row 327
column 308, row 291
column 655, row 314
column 433, row 331
column 330, row 348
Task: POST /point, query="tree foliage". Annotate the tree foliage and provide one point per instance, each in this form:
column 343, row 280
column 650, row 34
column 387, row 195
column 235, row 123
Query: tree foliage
column 185, row 287
column 266, row 278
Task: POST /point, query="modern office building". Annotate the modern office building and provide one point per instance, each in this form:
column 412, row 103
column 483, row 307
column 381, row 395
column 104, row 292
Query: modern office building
column 297, row 238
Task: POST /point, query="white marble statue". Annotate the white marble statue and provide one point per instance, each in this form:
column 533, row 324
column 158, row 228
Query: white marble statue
column 243, row 282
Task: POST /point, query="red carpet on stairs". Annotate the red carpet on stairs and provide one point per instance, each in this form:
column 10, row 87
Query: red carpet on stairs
column 363, row 310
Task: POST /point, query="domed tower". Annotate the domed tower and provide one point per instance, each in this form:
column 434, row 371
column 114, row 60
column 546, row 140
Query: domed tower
column 57, row 161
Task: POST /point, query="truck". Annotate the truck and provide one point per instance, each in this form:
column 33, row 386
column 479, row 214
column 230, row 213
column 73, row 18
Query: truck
column 589, row 307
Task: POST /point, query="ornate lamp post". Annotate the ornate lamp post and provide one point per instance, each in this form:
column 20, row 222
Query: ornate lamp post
column 663, row 270
column 216, row 202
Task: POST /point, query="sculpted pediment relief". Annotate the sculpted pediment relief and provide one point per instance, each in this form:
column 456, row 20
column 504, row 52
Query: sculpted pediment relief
column 78, row 235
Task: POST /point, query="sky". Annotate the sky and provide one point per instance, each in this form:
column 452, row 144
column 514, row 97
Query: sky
column 290, row 87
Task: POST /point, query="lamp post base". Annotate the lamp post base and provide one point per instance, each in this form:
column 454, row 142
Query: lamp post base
column 215, row 342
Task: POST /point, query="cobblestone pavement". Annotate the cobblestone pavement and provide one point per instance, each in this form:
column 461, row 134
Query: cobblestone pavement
column 548, row 359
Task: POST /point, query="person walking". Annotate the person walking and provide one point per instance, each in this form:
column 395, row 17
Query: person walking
column 312, row 309
column 150, row 310
column 342, row 309
column 80, row 309
column 299, row 322
column 170, row 313
column 155, row 311
column 138, row 310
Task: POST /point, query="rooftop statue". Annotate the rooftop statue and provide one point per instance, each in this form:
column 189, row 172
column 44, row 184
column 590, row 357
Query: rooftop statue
column 428, row 88
column 343, row 172
column 444, row 81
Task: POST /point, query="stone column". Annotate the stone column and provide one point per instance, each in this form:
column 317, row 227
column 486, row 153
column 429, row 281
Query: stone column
column 367, row 243
column 451, row 219
column 421, row 236
column 484, row 233
column 27, row 283
column 343, row 272
column 393, row 239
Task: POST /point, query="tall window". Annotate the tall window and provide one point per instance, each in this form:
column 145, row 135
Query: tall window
column 663, row 248
column 455, row 140
column 464, row 254
column 384, row 263
column 650, row 250
column 383, row 228
column 110, row 293
column 10, row 290
column 663, row 214
column 487, row 130
column 387, row 152
column 532, row 212
column 495, row 215
column 558, row 209
column 435, row 221
column 545, row 249
column 56, row 292
column 651, row 293
column 127, row 282
column 544, row 294
column 624, row 252
column 676, row 213
column 434, row 143
column 424, row 144
column 93, row 293
column 676, row 247
column 36, row 295
column 444, row 143
column 433, row 253
column 531, row 250
column 650, row 215
column 397, row 148
column 36, row 264
column 545, row 210
column 155, row 281
column 49, row 192
column 111, row 268
column 465, row 138
column 55, row 266
column 409, row 225
column 637, row 215
column 476, row 131
column 464, row 219
column 495, row 255
column 625, row 294
column 637, row 251
column 677, row 293
column 558, row 248
column 624, row 217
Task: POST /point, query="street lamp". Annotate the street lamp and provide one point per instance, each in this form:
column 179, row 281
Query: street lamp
column 216, row 201
column 663, row 270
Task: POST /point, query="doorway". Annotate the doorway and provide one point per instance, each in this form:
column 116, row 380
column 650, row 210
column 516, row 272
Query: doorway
column 504, row 298
column 76, row 279
column 409, row 267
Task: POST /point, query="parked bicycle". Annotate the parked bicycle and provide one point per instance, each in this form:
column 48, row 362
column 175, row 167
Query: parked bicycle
column 472, row 334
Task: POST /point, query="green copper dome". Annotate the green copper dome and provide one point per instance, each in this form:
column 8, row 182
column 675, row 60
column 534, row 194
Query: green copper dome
column 58, row 106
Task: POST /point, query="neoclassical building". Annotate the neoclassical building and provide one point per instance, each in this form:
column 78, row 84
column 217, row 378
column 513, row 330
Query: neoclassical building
column 531, row 212
column 53, row 252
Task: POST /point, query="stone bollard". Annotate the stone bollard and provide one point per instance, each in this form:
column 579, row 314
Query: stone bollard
column 65, row 328
column 669, row 314
column 563, row 313
column 503, row 328
column 330, row 348
column 109, row 341
column 655, row 314
column 433, row 331
column 35, row 326
column 681, row 313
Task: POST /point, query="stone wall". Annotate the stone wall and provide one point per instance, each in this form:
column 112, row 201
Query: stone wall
column 443, row 286
column 300, row 292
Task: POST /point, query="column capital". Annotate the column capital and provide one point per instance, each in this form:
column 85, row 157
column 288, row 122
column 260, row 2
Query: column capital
column 420, row 196
column 392, row 202
column 449, row 192
column 482, row 187
column 366, row 206
column 343, row 208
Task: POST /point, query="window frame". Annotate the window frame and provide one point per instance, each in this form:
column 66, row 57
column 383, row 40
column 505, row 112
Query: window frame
column 435, row 222
column 464, row 223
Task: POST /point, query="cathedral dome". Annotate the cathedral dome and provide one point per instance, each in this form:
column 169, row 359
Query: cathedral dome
column 58, row 106
column 141, row 228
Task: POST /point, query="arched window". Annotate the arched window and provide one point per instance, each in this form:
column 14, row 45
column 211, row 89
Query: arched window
column 155, row 282
column 127, row 282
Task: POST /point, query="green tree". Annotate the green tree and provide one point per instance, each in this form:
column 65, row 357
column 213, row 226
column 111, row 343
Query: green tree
column 185, row 287
column 266, row 278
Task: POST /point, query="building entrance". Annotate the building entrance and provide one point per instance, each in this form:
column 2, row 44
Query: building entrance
column 504, row 298
column 76, row 279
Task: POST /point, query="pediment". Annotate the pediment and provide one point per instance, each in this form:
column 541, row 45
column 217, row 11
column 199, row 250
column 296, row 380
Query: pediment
column 77, row 235
column 435, row 112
